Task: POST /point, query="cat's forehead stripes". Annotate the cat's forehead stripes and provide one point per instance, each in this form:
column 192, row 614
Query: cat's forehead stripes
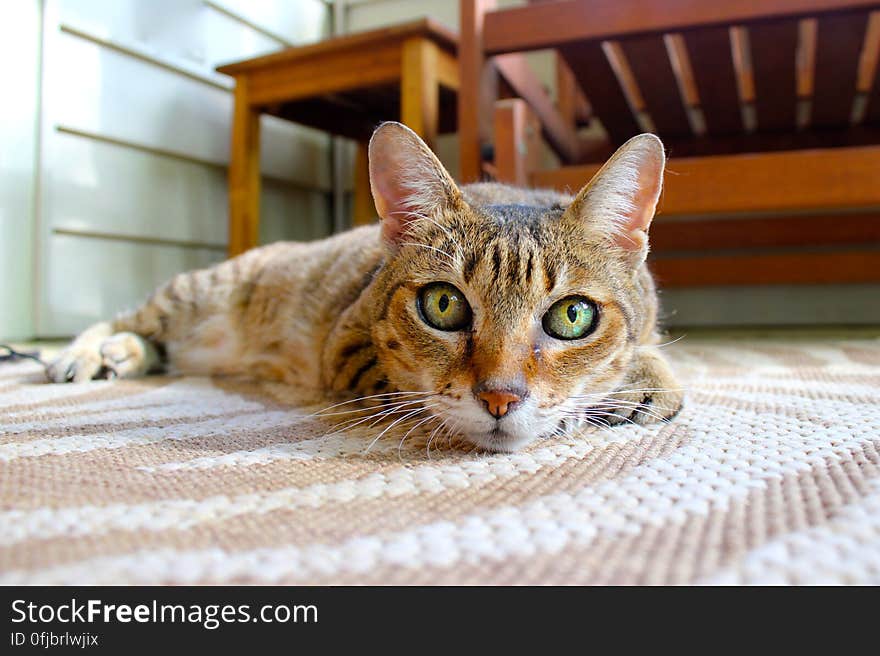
column 520, row 215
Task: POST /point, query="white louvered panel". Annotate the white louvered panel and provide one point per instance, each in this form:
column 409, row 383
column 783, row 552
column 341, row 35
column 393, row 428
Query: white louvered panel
column 99, row 91
column 301, row 21
column 200, row 32
column 163, row 196
column 298, row 214
column 135, row 141
column 151, row 195
column 89, row 279
column 19, row 49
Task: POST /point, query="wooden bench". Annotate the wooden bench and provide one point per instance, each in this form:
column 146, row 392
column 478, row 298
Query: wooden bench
column 770, row 112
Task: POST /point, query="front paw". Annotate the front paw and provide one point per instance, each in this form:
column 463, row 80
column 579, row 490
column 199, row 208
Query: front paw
column 651, row 393
column 123, row 355
column 75, row 364
column 126, row 355
column 647, row 406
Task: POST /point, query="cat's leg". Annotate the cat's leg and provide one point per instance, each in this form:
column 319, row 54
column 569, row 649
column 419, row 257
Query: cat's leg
column 649, row 393
column 181, row 316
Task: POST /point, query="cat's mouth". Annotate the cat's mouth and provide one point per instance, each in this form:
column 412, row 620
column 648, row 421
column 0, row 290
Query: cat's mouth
column 502, row 434
column 499, row 440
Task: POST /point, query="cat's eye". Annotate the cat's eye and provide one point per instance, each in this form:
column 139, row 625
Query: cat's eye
column 571, row 318
column 444, row 307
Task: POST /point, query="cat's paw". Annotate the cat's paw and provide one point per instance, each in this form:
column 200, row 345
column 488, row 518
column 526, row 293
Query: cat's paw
column 650, row 395
column 75, row 364
column 121, row 355
column 126, row 355
column 647, row 406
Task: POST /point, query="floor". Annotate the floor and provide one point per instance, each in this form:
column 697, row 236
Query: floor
column 770, row 474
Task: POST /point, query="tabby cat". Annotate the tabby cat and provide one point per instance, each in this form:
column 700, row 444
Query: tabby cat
column 506, row 314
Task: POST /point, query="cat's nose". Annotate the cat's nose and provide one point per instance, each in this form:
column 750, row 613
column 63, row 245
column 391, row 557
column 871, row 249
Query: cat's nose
column 499, row 402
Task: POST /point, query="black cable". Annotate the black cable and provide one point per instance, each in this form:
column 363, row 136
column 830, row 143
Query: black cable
column 13, row 355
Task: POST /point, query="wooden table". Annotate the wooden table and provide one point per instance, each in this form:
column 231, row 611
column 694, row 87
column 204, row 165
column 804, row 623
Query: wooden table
column 345, row 86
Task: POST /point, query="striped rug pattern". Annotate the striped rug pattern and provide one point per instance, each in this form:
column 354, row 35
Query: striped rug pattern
column 771, row 474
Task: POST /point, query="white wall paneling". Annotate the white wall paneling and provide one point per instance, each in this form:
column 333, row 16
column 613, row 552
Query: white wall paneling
column 20, row 48
column 90, row 278
column 135, row 144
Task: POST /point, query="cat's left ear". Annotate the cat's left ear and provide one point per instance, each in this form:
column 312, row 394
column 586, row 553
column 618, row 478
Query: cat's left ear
column 407, row 180
column 621, row 199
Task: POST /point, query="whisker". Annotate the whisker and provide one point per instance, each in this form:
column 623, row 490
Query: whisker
column 433, row 434
column 433, row 248
column 377, row 417
column 634, row 410
column 617, row 405
column 634, row 390
column 406, row 435
column 386, row 406
column 371, row 396
column 424, row 217
column 680, row 337
column 395, row 422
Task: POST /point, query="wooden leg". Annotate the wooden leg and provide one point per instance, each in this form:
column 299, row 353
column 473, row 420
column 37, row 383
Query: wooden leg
column 244, row 174
column 364, row 211
column 517, row 142
column 419, row 89
column 476, row 89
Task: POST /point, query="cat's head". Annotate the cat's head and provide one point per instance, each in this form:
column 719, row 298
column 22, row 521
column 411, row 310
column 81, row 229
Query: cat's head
column 514, row 309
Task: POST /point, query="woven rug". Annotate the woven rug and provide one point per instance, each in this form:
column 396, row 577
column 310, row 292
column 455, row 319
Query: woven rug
column 771, row 474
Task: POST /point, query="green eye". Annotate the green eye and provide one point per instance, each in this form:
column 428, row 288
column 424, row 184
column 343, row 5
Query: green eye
column 444, row 307
column 571, row 318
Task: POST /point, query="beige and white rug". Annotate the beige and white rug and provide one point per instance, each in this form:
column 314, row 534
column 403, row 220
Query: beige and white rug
column 771, row 474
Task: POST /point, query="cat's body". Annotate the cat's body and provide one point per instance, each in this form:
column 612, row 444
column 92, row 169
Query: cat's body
column 347, row 316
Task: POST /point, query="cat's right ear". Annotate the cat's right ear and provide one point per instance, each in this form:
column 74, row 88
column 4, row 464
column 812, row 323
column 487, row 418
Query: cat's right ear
column 407, row 180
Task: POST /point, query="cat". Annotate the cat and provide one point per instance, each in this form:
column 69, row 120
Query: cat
column 503, row 313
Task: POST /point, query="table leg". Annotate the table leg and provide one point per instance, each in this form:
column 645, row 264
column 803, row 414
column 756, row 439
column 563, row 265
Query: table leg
column 419, row 89
column 364, row 211
column 477, row 89
column 244, row 173
column 517, row 141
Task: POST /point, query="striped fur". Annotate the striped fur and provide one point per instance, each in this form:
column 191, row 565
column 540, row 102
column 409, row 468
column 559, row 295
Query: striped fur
column 339, row 317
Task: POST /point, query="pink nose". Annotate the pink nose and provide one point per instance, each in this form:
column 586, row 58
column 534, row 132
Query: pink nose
column 498, row 402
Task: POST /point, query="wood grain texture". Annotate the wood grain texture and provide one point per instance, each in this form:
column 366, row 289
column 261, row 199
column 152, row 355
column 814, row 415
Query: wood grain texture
column 729, row 233
column 363, row 210
column 476, row 99
column 838, row 47
column 761, row 182
column 560, row 134
column 805, row 268
column 517, row 141
column 594, row 74
column 362, row 42
column 773, row 54
column 572, row 104
column 549, row 25
column 649, row 61
column 353, row 122
column 331, row 73
column 419, row 89
column 709, row 51
column 244, row 173
column 729, row 144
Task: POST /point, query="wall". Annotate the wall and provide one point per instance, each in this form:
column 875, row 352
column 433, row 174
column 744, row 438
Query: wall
column 19, row 43
column 135, row 141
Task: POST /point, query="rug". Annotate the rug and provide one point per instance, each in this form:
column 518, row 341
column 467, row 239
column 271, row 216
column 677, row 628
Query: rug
column 770, row 474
